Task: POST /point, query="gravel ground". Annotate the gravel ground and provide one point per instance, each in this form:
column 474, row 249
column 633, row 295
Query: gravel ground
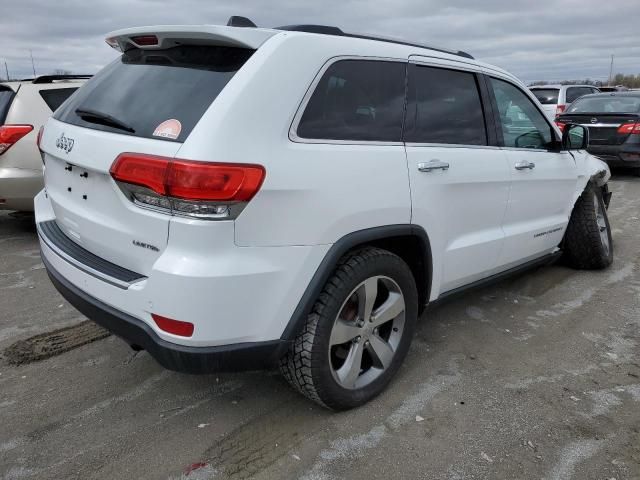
column 537, row 377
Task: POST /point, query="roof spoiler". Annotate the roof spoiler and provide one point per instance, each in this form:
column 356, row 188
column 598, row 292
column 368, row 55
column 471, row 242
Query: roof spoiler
column 52, row 78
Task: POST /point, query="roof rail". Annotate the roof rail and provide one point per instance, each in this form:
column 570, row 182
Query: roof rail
column 52, row 78
column 329, row 30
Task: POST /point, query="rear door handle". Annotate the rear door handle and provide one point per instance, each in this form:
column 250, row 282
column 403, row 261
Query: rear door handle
column 433, row 165
column 525, row 165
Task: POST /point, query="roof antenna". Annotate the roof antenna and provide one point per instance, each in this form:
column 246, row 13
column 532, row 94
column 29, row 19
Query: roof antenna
column 237, row 21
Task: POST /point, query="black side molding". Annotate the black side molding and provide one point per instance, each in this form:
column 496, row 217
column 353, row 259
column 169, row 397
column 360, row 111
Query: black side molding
column 342, row 246
column 512, row 272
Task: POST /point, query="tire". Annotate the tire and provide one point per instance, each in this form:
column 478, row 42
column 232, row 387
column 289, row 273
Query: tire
column 319, row 359
column 588, row 243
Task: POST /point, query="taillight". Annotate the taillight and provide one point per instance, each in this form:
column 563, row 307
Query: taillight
column 176, row 327
column 10, row 134
column 629, row 129
column 145, row 40
column 560, row 109
column 560, row 125
column 214, row 191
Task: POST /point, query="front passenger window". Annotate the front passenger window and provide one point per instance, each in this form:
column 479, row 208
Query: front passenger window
column 522, row 124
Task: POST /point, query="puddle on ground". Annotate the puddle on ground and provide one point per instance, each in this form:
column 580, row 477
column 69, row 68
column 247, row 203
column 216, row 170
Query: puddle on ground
column 50, row 344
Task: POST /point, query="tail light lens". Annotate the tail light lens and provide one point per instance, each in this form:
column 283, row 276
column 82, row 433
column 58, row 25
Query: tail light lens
column 10, row 134
column 629, row 129
column 213, row 191
column 560, row 109
column 176, row 327
column 145, row 40
column 560, row 125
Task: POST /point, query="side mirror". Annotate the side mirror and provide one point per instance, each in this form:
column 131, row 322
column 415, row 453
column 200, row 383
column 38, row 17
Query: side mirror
column 575, row 137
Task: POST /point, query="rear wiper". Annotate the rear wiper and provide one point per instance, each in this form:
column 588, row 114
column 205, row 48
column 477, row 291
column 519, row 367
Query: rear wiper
column 94, row 116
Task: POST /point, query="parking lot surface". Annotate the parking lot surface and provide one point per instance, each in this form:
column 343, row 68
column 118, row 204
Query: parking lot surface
column 536, row 377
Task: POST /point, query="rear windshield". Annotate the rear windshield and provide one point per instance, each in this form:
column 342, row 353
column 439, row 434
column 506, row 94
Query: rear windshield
column 6, row 96
column 546, row 96
column 154, row 93
column 609, row 104
column 56, row 96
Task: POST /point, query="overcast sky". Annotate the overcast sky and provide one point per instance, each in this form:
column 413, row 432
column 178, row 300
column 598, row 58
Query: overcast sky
column 534, row 39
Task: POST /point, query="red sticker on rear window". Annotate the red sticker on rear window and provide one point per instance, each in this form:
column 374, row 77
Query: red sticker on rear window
column 168, row 129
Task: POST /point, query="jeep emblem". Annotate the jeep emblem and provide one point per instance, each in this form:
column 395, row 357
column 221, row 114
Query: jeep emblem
column 65, row 143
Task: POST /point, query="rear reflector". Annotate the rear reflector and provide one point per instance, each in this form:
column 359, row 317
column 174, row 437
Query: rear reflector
column 629, row 129
column 145, row 40
column 10, row 134
column 175, row 327
column 186, row 187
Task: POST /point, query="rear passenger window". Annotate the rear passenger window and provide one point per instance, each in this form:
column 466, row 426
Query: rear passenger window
column 573, row 93
column 359, row 100
column 445, row 107
column 56, row 96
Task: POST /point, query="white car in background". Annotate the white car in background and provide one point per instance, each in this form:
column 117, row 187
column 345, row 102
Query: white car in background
column 25, row 106
column 303, row 212
column 556, row 98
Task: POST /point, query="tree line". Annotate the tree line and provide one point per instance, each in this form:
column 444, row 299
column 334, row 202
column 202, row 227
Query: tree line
column 627, row 80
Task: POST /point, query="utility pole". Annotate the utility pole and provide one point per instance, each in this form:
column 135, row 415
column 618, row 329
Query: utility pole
column 6, row 69
column 610, row 71
column 33, row 65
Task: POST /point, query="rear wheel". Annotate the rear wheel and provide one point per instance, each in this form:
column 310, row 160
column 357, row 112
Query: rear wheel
column 358, row 333
column 588, row 243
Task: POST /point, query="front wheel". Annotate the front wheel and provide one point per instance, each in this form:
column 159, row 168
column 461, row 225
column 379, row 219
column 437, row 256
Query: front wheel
column 358, row 332
column 588, row 243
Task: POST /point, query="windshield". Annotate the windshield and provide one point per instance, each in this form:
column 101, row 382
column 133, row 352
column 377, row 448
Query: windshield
column 546, row 96
column 609, row 104
column 158, row 94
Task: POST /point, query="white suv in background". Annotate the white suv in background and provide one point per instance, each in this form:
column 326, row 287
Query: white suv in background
column 224, row 207
column 556, row 98
column 24, row 107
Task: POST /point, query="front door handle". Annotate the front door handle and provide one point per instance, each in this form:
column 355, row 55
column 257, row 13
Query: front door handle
column 525, row 165
column 433, row 165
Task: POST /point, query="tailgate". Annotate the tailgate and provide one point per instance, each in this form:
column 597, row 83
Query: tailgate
column 89, row 207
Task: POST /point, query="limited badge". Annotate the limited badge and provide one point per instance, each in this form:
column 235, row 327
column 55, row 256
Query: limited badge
column 168, row 129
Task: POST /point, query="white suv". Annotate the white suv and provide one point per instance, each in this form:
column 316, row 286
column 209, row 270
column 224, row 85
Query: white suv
column 24, row 107
column 555, row 99
column 234, row 198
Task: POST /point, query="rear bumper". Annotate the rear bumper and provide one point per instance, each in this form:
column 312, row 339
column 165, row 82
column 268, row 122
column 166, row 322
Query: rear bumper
column 181, row 358
column 18, row 186
column 618, row 155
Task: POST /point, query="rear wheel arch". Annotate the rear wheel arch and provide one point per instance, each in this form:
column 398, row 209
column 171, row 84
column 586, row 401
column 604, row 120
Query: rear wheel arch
column 409, row 242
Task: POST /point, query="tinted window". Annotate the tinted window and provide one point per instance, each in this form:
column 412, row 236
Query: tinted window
column 546, row 96
column 145, row 88
column 357, row 100
column 445, row 107
column 56, row 97
column 6, row 96
column 608, row 104
column 573, row 93
column 522, row 124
